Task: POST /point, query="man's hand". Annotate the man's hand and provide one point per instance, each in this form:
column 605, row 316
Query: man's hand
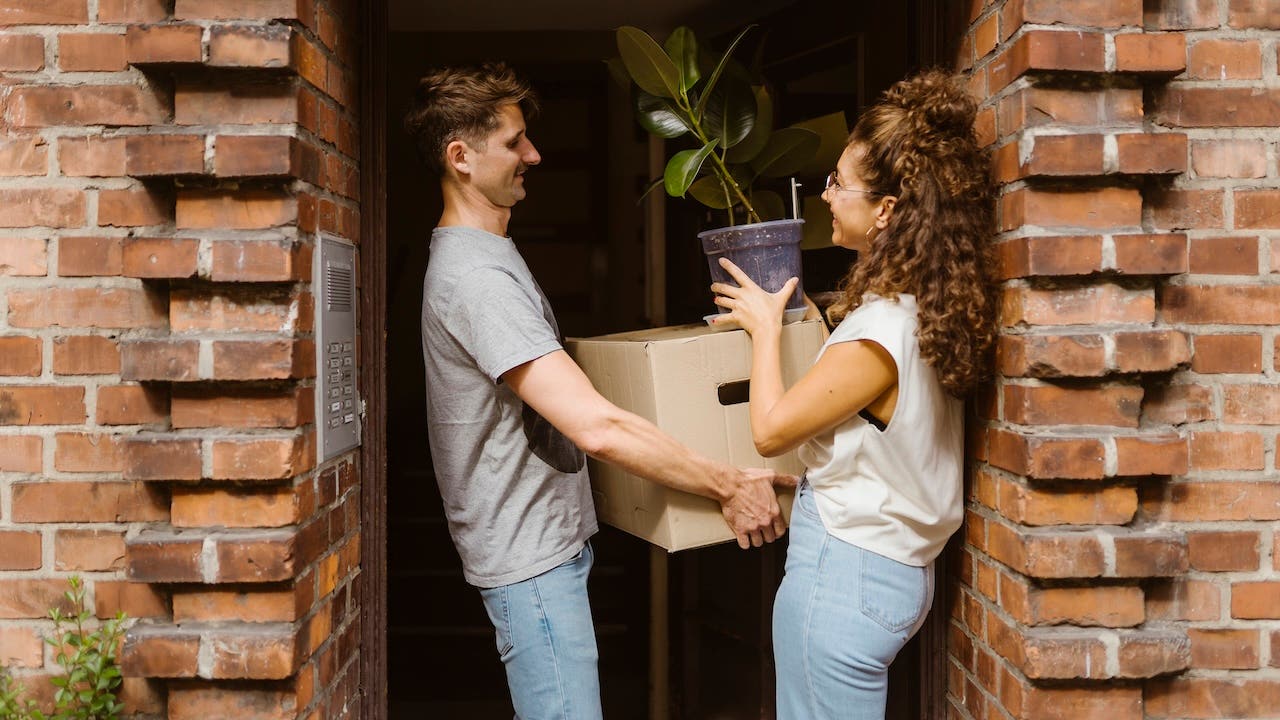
column 751, row 509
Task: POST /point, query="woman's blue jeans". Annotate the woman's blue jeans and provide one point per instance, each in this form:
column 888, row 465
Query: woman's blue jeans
column 547, row 642
column 840, row 617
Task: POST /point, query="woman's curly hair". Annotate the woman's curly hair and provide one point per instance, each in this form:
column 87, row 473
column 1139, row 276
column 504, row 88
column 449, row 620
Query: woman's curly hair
column 919, row 146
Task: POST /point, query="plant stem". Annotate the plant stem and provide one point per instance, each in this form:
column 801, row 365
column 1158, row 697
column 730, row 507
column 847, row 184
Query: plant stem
column 726, row 178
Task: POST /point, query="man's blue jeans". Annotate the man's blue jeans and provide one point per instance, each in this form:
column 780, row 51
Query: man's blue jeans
column 548, row 643
column 840, row 617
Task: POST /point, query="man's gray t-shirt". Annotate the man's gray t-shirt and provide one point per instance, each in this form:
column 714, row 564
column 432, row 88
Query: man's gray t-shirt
column 515, row 489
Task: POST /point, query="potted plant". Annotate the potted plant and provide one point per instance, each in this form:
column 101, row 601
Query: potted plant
column 725, row 118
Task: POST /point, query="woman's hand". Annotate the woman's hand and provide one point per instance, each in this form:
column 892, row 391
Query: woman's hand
column 753, row 308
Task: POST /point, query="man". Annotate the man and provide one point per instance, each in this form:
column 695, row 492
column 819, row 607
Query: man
column 510, row 414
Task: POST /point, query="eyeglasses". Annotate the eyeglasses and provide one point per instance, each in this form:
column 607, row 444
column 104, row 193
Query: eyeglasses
column 834, row 184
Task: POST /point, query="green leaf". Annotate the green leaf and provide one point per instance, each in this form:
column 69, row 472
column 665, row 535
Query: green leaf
column 647, row 63
column 684, row 167
column 658, row 116
column 653, row 185
column 769, row 205
column 715, row 74
column 754, row 142
column 786, row 152
column 710, row 191
column 730, row 111
column 682, row 48
column 618, row 71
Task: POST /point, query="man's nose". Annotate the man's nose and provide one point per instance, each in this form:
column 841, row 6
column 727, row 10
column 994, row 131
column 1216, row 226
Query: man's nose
column 531, row 155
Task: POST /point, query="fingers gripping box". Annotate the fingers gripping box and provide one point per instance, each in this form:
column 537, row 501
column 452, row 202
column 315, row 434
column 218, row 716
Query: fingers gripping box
column 692, row 382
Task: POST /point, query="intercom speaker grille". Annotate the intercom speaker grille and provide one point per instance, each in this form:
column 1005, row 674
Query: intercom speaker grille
column 338, row 288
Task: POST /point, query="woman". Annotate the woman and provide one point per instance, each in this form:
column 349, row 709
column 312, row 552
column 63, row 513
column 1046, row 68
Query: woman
column 879, row 418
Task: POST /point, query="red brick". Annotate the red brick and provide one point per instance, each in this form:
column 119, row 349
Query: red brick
column 1253, row 14
column 1089, row 13
column 245, row 209
column 200, row 702
column 1151, row 555
column 164, row 44
column 1045, row 50
column 89, row 550
column 252, row 46
column 160, row 257
column 1104, row 208
column 1046, row 554
column 1257, row 208
column 254, row 156
column 1184, row 600
column 171, row 360
column 274, row 506
column 147, row 458
column 20, row 256
column 148, row 155
column 19, row 550
column 1049, row 457
column 1150, row 351
column 1046, row 256
column 1229, row 158
column 256, row 606
column 1098, row 304
column 263, row 360
column 242, row 408
column 1220, row 500
column 157, row 651
column 1181, row 14
column 1150, row 253
column 231, row 309
column 263, row 459
column 89, row 52
column 89, row 256
column 1227, row 354
column 91, row 156
column 1112, row 505
column 1034, row 106
column 41, row 405
column 1224, row 649
column 1151, row 52
column 31, row 598
column 132, row 404
column 85, row 355
column 1220, row 59
column 21, row 53
column 260, row 657
column 68, row 501
column 260, row 261
column 24, row 156
column 1224, row 255
column 242, row 104
column 21, row 647
column 1251, row 404
column 111, row 105
column 1047, row 356
column 1255, row 600
column 1146, row 654
column 80, row 452
column 132, row 11
column 1223, row 551
column 238, row 10
column 1151, row 455
column 1212, row 450
column 48, row 207
column 1151, row 153
column 1224, row 304
column 44, row 12
column 137, row 600
column 1217, row 107
column 132, row 208
column 1107, row 606
column 1052, row 405
column 21, row 454
column 21, row 356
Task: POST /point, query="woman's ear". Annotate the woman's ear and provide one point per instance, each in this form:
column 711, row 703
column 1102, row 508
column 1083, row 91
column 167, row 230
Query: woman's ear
column 455, row 157
column 884, row 211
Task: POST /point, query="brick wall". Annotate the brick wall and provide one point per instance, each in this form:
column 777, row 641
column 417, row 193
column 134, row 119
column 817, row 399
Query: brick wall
column 166, row 166
column 1120, row 560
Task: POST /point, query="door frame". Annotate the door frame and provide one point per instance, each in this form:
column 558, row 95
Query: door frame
column 372, row 31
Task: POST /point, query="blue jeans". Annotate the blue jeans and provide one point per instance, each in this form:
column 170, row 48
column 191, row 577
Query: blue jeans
column 841, row 615
column 547, row 642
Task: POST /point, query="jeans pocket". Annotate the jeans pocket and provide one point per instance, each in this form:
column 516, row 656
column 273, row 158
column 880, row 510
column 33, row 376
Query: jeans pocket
column 497, row 604
column 894, row 594
column 807, row 502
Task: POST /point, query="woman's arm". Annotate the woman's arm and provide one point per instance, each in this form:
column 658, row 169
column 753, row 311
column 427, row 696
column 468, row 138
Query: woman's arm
column 847, row 378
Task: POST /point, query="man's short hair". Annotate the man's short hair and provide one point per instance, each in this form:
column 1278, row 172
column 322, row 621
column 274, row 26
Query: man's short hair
column 463, row 103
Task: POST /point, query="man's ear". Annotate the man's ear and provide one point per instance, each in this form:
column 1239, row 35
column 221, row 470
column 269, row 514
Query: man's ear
column 455, row 156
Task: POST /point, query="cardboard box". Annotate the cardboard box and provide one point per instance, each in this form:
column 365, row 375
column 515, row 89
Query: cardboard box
column 692, row 382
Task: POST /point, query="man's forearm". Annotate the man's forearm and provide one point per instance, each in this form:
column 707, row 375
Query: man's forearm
column 637, row 446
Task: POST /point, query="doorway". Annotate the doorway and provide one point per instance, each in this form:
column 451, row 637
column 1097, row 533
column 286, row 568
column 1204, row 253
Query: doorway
column 584, row 240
